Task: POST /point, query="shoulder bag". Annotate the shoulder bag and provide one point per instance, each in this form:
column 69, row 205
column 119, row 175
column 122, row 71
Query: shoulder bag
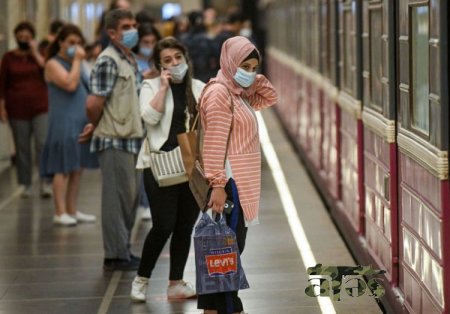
column 167, row 167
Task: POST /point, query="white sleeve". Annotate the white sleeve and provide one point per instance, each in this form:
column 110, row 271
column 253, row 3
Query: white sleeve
column 148, row 113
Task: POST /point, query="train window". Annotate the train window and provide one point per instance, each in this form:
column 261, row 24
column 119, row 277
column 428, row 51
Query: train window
column 376, row 61
column 348, row 51
column 420, row 68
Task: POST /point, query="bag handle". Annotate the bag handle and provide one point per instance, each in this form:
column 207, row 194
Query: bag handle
column 199, row 126
column 195, row 122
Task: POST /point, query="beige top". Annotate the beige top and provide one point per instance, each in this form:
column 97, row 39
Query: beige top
column 121, row 118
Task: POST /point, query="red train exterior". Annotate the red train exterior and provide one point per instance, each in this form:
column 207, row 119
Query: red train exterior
column 364, row 97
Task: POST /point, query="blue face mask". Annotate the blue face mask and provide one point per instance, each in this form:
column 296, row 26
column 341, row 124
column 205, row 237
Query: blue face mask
column 70, row 52
column 244, row 78
column 130, row 38
column 146, row 52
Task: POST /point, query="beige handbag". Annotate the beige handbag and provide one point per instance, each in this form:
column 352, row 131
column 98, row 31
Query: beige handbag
column 188, row 145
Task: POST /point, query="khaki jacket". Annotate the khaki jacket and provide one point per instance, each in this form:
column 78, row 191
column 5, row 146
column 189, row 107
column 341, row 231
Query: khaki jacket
column 121, row 118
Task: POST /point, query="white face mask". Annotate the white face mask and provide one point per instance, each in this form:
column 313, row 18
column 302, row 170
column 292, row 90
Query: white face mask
column 246, row 32
column 179, row 71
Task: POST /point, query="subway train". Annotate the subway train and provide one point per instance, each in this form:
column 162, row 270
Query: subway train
column 363, row 89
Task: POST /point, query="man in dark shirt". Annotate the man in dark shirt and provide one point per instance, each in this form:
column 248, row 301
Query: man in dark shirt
column 231, row 28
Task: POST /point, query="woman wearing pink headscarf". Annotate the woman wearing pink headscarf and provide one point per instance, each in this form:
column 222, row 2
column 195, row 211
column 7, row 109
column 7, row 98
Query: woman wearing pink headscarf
column 240, row 180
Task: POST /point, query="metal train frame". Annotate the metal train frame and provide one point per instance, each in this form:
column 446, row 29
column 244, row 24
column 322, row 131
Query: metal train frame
column 363, row 88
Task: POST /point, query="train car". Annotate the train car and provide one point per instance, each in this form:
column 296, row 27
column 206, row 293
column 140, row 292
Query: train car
column 364, row 98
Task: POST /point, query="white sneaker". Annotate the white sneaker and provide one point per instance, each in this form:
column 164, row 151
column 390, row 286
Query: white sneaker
column 27, row 192
column 139, row 289
column 46, row 190
column 182, row 290
column 82, row 217
column 145, row 213
column 64, row 220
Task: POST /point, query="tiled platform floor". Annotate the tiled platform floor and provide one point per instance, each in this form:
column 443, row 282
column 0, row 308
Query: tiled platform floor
column 48, row 269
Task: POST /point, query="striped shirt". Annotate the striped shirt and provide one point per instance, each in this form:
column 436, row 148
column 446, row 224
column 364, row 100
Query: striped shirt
column 244, row 152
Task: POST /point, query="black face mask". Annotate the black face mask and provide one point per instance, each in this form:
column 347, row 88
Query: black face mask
column 23, row 45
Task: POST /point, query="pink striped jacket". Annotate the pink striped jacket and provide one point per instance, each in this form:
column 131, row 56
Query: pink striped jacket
column 244, row 152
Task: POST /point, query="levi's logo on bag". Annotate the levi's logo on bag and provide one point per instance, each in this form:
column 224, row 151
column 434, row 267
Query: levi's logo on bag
column 221, row 262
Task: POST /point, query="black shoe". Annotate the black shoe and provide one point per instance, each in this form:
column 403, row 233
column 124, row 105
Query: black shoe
column 121, row 264
column 108, row 263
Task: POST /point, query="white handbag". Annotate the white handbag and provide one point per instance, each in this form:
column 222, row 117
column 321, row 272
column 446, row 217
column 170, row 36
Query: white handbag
column 167, row 167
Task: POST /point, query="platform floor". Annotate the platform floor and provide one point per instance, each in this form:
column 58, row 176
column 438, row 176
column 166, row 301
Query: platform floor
column 48, row 269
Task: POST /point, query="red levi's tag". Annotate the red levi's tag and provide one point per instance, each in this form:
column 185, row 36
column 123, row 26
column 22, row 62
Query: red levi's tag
column 221, row 262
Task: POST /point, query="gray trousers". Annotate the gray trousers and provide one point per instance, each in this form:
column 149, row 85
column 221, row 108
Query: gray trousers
column 120, row 187
column 22, row 131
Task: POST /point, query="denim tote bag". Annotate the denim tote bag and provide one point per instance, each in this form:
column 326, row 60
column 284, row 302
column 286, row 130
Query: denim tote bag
column 217, row 259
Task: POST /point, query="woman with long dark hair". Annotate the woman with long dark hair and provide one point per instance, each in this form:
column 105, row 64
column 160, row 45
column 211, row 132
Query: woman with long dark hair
column 168, row 106
column 63, row 156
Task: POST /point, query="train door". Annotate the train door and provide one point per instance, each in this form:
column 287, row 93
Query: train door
column 351, row 206
column 380, row 150
column 329, row 171
column 422, row 137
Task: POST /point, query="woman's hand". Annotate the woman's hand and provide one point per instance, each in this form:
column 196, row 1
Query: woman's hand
column 217, row 199
column 166, row 77
column 33, row 45
column 79, row 52
column 87, row 133
column 3, row 114
column 35, row 53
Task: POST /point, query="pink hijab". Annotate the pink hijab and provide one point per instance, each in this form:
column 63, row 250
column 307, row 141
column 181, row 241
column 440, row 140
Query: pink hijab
column 234, row 51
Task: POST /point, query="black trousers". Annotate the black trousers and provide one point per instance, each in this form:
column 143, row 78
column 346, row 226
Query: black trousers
column 174, row 212
column 227, row 302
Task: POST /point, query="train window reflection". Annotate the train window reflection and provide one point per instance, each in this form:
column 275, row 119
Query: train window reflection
column 420, row 68
column 349, row 51
column 376, row 54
